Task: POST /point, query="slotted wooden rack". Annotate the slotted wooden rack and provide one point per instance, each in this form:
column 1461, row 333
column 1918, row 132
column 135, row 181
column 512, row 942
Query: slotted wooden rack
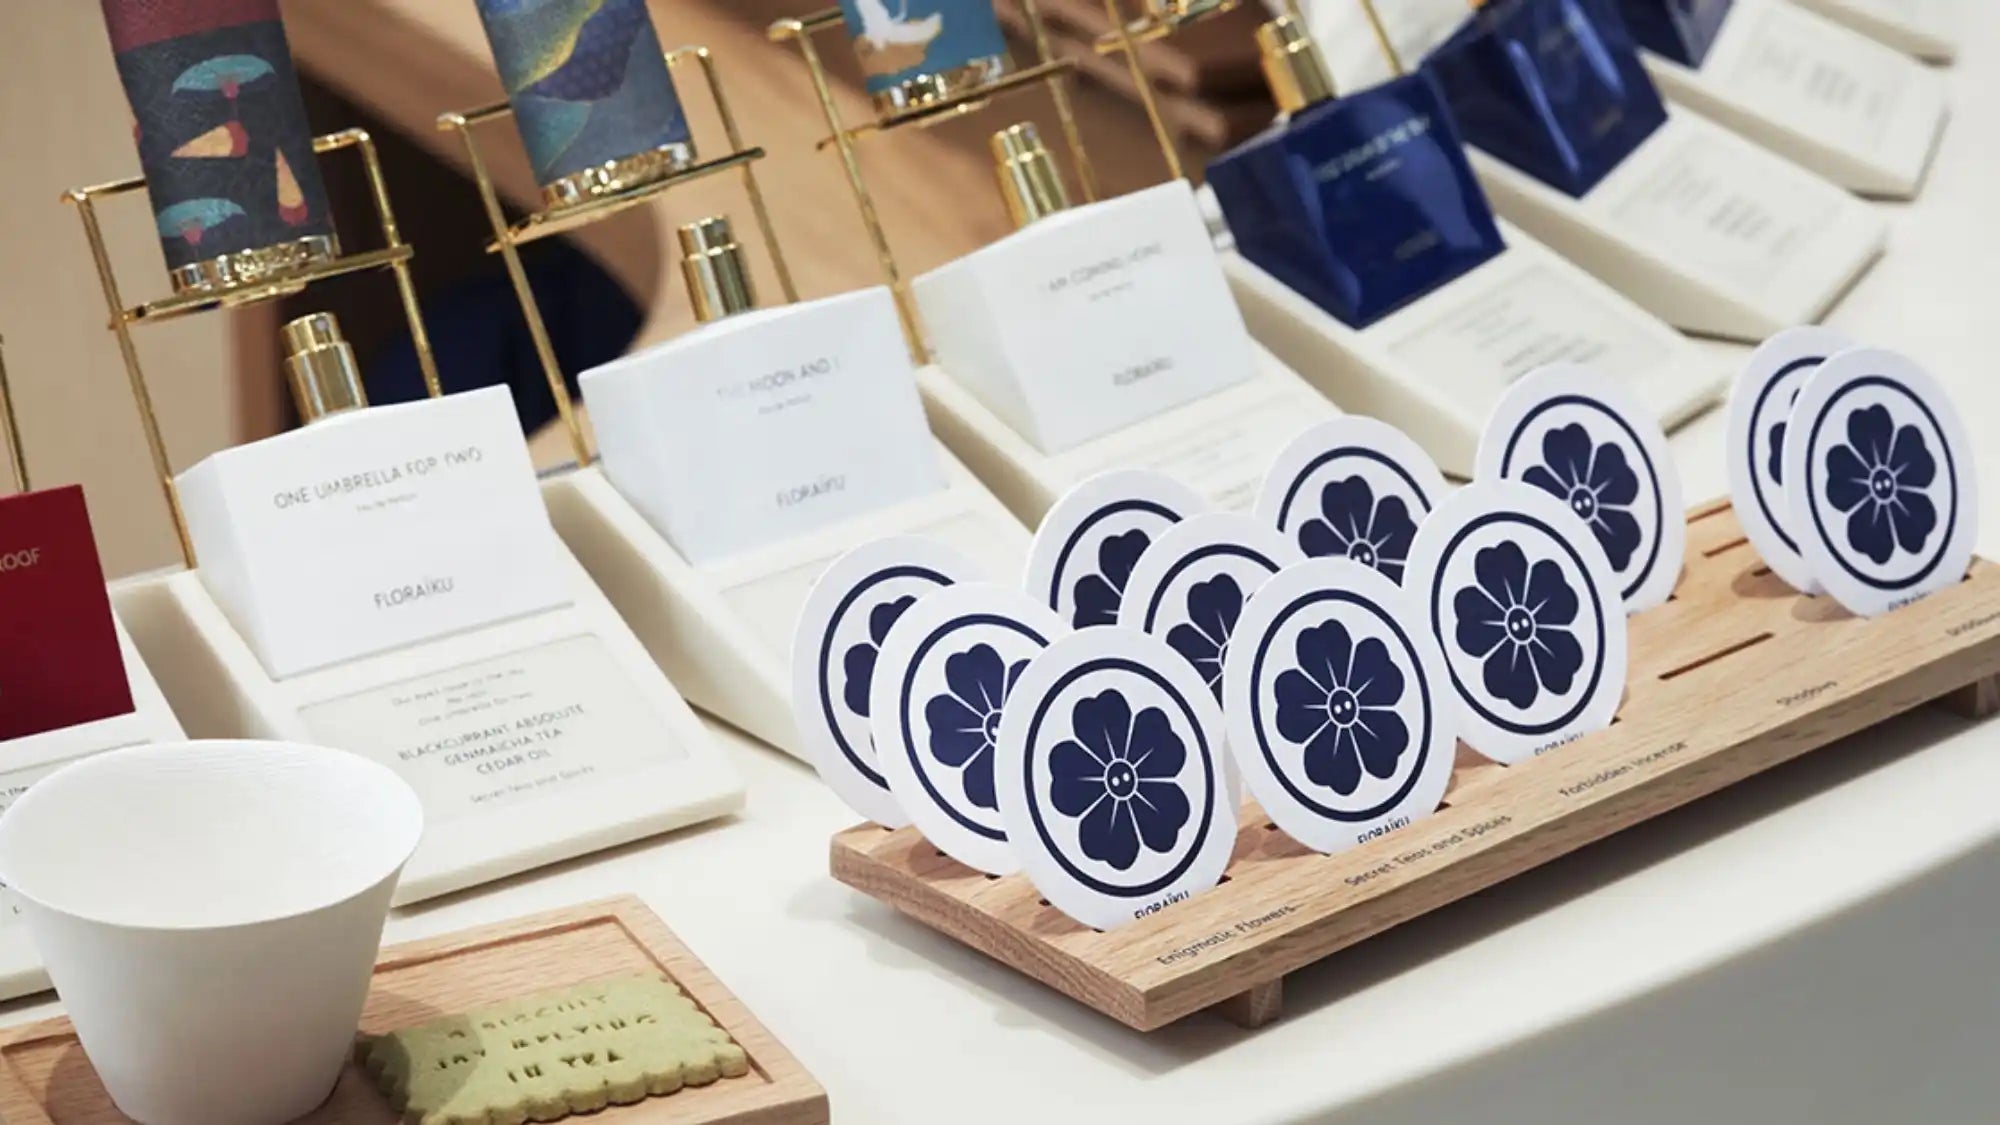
column 1736, row 674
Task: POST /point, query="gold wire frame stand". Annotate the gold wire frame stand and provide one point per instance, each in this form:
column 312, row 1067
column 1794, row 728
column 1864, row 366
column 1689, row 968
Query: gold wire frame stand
column 1048, row 71
column 10, row 429
column 1128, row 34
column 395, row 255
column 509, row 238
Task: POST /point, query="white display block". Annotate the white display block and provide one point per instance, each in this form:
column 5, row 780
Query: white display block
column 1089, row 321
column 530, row 740
column 1703, row 229
column 1827, row 97
column 1220, row 445
column 1928, row 29
column 1436, row 367
column 28, row 760
column 722, row 630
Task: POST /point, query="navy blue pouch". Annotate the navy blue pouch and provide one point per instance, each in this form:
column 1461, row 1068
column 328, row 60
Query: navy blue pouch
column 1682, row 30
column 1362, row 203
column 1553, row 87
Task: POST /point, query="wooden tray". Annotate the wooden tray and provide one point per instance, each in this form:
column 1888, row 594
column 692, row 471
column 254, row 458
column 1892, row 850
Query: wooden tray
column 46, row 1080
column 1735, row 675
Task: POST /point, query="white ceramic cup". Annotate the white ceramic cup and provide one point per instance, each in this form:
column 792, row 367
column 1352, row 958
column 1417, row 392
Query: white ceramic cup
column 210, row 913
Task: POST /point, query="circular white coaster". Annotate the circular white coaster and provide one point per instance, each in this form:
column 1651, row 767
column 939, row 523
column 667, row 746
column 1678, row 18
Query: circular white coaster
column 1340, row 712
column 1585, row 440
column 1889, row 508
column 1352, row 487
column 946, row 673
column 1190, row 587
column 1526, row 610
column 1083, row 553
column 836, row 647
column 1114, row 784
column 1760, row 411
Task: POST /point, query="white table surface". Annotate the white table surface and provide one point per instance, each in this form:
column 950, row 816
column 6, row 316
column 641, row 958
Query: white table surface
column 1816, row 945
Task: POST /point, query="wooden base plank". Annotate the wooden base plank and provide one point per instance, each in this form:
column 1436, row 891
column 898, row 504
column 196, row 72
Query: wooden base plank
column 1735, row 675
column 45, row 1078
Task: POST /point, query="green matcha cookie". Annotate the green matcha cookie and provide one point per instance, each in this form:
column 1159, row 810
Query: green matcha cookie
column 544, row 1057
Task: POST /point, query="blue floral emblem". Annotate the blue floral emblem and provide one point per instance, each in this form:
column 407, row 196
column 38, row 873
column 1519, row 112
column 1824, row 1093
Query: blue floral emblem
column 1213, row 608
column 1353, row 525
column 1098, row 594
column 1339, row 703
column 1877, row 478
column 1597, row 483
column 1117, row 775
column 964, row 719
column 1518, row 620
column 859, row 661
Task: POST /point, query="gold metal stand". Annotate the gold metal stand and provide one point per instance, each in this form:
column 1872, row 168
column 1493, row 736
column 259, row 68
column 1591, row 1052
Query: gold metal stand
column 1048, row 71
column 509, row 238
column 395, row 255
column 16, row 456
column 1161, row 19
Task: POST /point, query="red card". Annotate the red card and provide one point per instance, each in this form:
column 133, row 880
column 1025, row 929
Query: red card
column 59, row 659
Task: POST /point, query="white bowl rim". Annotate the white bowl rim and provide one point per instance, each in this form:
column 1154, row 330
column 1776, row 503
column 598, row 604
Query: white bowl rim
column 411, row 823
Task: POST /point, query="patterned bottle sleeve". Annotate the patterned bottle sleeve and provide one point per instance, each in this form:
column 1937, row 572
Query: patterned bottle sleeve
column 904, row 40
column 588, row 82
column 220, row 125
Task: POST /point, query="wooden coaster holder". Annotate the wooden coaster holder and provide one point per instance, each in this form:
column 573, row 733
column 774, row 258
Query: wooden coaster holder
column 45, row 1078
column 1736, row 674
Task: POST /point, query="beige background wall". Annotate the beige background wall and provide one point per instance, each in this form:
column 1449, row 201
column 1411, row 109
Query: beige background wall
column 63, row 123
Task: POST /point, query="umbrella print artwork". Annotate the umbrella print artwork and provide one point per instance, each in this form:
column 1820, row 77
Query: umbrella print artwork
column 225, row 140
column 225, row 75
column 291, row 201
column 196, row 217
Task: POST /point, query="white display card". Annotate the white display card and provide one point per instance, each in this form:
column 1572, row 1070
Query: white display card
column 1083, row 554
column 373, row 530
column 1885, row 492
column 506, row 731
column 822, row 392
column 1340, row 712
column 942, row 682
column 837, row 647
column 1090, row 320
column 1190, row 586
column 1526, row 609
column 1354, row 488
column 1586, row 441
column 1760, row 411
column 1115, row 788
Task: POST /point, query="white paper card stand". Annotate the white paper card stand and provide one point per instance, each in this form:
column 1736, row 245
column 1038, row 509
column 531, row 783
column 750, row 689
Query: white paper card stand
column 1219, row 445
column 531, row 740
column 1703, row 229
column 28, row 760
column 1827, row 97
column 723, row 630
column 1927, row 29
column 1436, row 367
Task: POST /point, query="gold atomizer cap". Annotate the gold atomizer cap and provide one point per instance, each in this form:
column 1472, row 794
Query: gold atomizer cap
column 326, row 380
column 1029, row 179
column 1293, row 67
column 718, row 278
